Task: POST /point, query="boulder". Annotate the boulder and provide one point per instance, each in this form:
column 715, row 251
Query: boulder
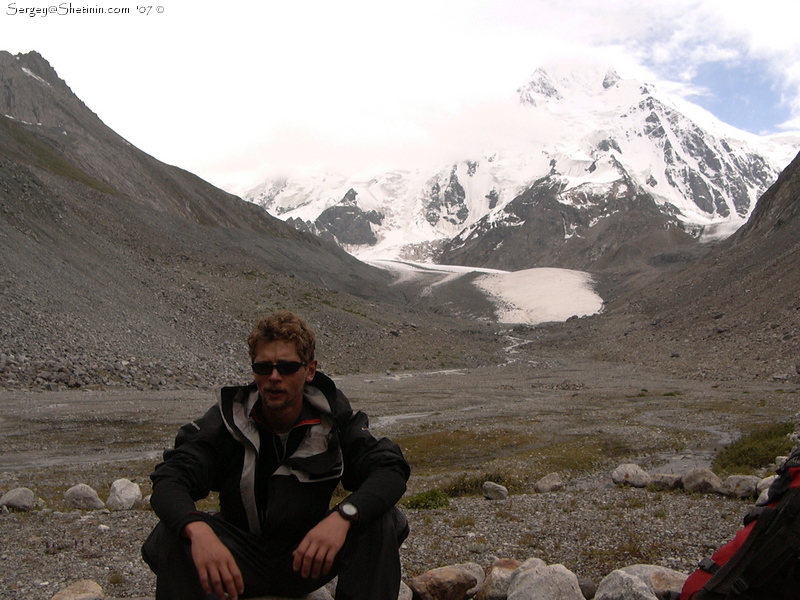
column 702, row 480
column 553, row 582
column 19, row 499
column 666, row 482
column 83, row 497
column 619, row 585
column 549, row 483
column 630, row 474
column 495, row 586
column 81, row 590
column 124, row 495
column 477, row 571
column 741, row 486
column 764, row 484
column 663, row 582
column 494, row 491
column 444, row 583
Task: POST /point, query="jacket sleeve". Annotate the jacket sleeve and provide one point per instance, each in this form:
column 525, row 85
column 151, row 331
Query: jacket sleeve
column 188, row 471
column 375, row 470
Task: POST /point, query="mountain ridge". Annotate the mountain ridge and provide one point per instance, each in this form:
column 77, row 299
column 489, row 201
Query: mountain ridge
column 637, row 137
column 117, row 269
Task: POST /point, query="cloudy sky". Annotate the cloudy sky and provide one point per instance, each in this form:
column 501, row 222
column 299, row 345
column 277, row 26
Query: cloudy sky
column 236, row 90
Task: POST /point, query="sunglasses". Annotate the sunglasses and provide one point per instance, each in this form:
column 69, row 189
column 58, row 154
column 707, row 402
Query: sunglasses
column 284, row 368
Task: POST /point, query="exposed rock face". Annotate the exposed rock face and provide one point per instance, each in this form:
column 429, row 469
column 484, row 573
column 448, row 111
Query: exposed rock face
column 348, row 224
column 615, row 227
column 446, row 201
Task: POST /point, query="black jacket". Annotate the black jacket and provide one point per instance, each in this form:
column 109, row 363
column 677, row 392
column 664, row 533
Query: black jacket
column 271, row 492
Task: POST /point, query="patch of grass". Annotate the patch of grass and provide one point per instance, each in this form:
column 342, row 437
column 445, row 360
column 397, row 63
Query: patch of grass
column 754, row 450
column 464, row 521
column 466, row 484
column 443, row 450
column 429, row 500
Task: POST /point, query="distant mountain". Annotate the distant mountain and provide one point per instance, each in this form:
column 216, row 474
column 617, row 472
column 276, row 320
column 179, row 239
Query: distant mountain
column 605, row 171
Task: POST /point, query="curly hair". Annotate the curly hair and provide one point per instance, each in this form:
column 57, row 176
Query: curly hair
column 284, row 326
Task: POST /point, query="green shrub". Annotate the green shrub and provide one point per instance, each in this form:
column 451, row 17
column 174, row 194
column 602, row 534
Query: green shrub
column 428, row 500
column 754, row 450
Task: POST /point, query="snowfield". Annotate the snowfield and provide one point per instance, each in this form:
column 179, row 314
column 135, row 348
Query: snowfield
column 530, row 296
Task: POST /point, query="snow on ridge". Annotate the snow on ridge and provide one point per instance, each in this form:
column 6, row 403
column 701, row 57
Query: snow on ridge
column 30, row 73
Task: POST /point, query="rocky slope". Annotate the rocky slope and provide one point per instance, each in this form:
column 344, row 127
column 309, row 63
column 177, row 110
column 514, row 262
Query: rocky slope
column 116, row 269
column 734, row 313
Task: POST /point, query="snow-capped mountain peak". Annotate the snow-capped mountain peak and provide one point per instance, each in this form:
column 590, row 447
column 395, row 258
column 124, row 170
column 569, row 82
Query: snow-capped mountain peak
column 589, row 133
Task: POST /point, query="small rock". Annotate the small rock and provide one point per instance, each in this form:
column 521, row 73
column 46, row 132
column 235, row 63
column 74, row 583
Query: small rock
column 81, row 590
column 549, row 483
column 494, row 491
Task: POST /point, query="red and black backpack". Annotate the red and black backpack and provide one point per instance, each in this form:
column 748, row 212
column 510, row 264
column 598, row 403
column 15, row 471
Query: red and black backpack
column 762, row 562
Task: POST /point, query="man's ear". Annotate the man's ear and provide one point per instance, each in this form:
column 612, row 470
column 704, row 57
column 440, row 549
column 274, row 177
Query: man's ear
column 311, row 370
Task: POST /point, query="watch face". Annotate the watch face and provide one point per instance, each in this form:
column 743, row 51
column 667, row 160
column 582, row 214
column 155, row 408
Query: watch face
column 348, row 510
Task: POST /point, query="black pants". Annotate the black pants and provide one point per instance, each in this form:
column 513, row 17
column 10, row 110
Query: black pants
column 368, row 565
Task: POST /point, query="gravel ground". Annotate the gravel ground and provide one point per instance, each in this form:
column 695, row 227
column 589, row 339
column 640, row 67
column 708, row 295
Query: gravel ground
column 591, row 532
column 522, row 420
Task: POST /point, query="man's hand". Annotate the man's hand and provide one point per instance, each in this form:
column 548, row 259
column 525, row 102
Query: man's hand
column 315, row 554
column 218, row 571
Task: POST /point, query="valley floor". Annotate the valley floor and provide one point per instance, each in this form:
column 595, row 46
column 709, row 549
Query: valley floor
column 517, row 422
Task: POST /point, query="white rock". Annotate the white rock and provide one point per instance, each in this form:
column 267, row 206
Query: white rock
column 553, row 582
column 619, row 585
column 630, row 474
column 124, row 495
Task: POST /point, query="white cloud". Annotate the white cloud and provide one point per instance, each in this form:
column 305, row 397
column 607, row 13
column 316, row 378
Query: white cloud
column 226, row 89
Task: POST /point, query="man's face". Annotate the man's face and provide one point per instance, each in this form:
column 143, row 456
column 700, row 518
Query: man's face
column 281, row 392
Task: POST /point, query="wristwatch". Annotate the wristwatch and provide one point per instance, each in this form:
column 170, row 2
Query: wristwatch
column 348, row 510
